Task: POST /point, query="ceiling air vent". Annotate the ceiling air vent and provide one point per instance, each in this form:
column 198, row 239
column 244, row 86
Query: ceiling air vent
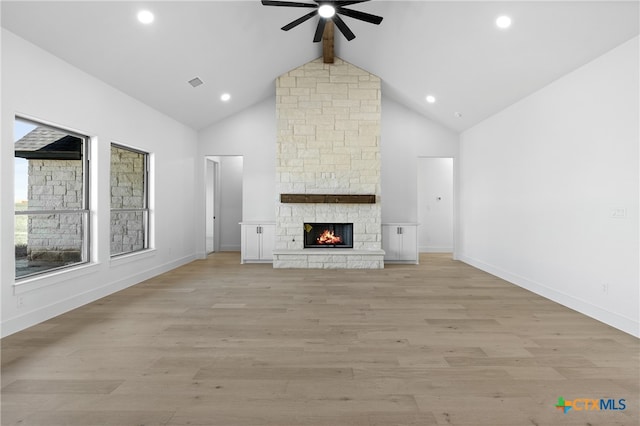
column 195, row 82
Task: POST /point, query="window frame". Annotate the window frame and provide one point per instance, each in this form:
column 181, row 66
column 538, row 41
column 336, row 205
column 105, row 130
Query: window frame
column 145, row 209
column 84, row 210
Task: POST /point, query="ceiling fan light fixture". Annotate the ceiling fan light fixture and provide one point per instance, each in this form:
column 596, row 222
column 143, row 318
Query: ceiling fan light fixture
column 326, row 11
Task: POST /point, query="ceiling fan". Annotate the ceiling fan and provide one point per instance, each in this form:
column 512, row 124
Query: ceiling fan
column 328, row 10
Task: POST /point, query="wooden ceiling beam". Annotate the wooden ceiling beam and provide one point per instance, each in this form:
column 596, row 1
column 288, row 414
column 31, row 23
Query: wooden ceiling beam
column 327, row 42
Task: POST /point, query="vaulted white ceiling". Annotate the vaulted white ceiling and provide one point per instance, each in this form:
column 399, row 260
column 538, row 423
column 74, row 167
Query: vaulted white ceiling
column 449, row 49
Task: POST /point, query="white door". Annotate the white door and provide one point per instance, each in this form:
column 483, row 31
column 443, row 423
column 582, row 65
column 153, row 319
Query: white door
column 211, row 206
column 435, row 205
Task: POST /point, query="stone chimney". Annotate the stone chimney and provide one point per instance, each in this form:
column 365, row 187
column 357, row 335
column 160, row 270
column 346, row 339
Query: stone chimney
column 328, row 142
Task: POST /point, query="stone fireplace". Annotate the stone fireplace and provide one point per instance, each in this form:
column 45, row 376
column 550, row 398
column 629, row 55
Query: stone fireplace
column 328, row 150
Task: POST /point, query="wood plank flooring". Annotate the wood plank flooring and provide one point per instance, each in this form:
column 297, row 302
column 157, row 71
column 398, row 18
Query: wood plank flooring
column 219, row 343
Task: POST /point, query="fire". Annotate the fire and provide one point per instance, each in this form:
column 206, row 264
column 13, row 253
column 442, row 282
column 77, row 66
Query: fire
column 328, row 237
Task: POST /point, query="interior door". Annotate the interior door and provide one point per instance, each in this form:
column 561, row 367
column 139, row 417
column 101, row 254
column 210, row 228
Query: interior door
column 435, row 205
column 211, row 206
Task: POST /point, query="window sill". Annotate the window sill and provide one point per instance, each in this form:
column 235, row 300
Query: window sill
column 124, row 259
column 35, row 283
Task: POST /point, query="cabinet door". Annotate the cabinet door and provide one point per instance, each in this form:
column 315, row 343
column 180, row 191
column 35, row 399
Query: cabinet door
column 251, row 242
column 391, row 242
column 268, row 237
column 409, row 242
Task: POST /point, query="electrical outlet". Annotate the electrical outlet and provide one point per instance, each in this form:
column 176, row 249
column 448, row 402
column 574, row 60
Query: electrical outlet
column 20, row 302
column 605, row 288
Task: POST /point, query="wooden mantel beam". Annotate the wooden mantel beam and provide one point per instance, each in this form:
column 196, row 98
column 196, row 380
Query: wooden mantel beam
column 327, row 42
column 328, row 198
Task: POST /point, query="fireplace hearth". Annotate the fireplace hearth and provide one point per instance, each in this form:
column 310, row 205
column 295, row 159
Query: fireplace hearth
column 328, row 235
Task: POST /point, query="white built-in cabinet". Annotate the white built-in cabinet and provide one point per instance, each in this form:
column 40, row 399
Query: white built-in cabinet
column 257, row 241
column 400, row 242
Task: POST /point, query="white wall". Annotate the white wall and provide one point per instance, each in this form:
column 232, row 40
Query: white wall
column 252, row 135
column 435, row 205
column 540, row 180
column 40, row 86
column 406, row 136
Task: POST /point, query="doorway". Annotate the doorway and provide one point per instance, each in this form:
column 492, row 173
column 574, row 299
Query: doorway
column 435, row 205
column 223, row 203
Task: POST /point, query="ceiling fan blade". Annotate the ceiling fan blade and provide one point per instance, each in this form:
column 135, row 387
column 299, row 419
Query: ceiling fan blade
column 319, row 30
column 349, row 35
column 348, row 2
column 300, row 20
column 286, row 3
column 367, row 17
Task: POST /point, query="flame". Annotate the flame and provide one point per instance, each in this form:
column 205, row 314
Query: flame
column 328, row 237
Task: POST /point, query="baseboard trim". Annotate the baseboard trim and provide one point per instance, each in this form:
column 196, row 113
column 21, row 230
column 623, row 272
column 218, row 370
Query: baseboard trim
column 432, row 249
column 628, row 325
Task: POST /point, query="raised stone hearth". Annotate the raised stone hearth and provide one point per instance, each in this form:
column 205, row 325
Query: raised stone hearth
column 328, row 259
column 328, row 143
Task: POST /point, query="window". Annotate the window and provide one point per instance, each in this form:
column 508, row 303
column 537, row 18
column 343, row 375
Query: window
column 129, row 200
column 51, row 198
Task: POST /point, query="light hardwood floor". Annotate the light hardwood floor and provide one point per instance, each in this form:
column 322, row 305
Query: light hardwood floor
column 218, row 343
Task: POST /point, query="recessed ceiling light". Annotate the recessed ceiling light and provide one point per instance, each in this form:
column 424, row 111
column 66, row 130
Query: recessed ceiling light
column 225, row 97
column 326, row 11
column 431, row 99
column 503, row 22
column 145, row 17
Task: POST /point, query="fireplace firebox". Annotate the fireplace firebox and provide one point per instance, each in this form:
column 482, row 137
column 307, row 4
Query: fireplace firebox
column 328, row 235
